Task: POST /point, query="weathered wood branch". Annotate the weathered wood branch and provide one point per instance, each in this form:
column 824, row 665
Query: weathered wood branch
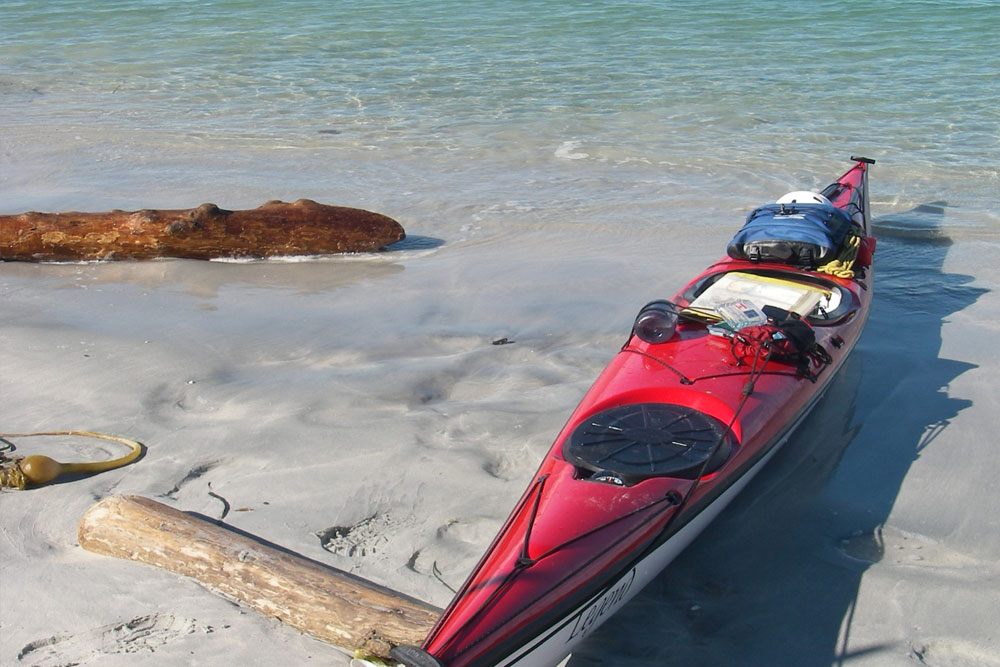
column 321, row 601
column 206, row 232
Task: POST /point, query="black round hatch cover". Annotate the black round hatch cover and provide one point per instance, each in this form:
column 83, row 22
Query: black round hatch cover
column 643, row 440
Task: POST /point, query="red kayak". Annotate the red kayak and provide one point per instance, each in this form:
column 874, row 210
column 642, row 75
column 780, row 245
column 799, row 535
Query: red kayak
column 707, row 388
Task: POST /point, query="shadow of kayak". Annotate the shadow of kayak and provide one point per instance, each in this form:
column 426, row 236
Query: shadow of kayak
column 775, row 578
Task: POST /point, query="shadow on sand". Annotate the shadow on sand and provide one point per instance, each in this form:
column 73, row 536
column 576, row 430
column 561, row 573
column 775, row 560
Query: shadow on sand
column 774, row 580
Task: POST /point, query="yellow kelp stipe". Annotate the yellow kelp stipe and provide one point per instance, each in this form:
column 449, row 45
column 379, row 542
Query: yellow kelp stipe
column 37, row 469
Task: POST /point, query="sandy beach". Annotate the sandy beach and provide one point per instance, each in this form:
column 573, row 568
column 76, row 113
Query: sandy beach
column 355, row 410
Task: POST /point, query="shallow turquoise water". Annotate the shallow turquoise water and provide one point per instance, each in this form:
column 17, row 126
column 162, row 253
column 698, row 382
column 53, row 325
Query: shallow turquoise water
column 568, row 103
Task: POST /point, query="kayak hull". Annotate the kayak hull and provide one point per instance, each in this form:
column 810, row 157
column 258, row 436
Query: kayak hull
column 670, row 432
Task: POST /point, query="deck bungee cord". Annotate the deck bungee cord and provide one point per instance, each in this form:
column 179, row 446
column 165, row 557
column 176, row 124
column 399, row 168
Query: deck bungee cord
column 524, row 563
column 671, row 499
column 762, row 355
column 38, row 469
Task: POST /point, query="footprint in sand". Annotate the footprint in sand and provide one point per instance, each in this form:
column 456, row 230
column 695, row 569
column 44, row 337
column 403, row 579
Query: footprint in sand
column 143, row 634
column 456, row 547
column 904, row 548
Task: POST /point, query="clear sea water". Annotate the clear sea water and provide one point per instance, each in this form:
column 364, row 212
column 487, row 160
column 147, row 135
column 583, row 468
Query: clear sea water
column 609, row 112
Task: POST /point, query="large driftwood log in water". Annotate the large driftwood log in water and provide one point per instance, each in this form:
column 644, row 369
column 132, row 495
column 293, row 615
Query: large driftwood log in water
column 328, row 604
column 206, row 232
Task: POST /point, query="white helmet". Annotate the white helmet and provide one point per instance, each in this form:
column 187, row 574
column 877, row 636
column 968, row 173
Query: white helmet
column 803, row 197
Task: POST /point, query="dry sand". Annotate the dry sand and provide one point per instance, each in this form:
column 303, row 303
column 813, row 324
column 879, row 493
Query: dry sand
column 354, row 410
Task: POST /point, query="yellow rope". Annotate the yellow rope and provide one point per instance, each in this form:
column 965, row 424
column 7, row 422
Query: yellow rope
column 38, row 469
column 843, row 265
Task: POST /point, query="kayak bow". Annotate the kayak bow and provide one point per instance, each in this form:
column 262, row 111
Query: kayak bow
column 707, row 388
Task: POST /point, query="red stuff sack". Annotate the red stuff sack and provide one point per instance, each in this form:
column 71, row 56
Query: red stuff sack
column 865, row 252
column 790, row 343
column 752, row 345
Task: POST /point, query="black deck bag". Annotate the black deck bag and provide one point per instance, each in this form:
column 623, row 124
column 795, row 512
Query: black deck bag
column 803, row 235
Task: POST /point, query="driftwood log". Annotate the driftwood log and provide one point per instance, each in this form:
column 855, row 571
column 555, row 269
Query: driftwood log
column 207, row 232
column 328, row 604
